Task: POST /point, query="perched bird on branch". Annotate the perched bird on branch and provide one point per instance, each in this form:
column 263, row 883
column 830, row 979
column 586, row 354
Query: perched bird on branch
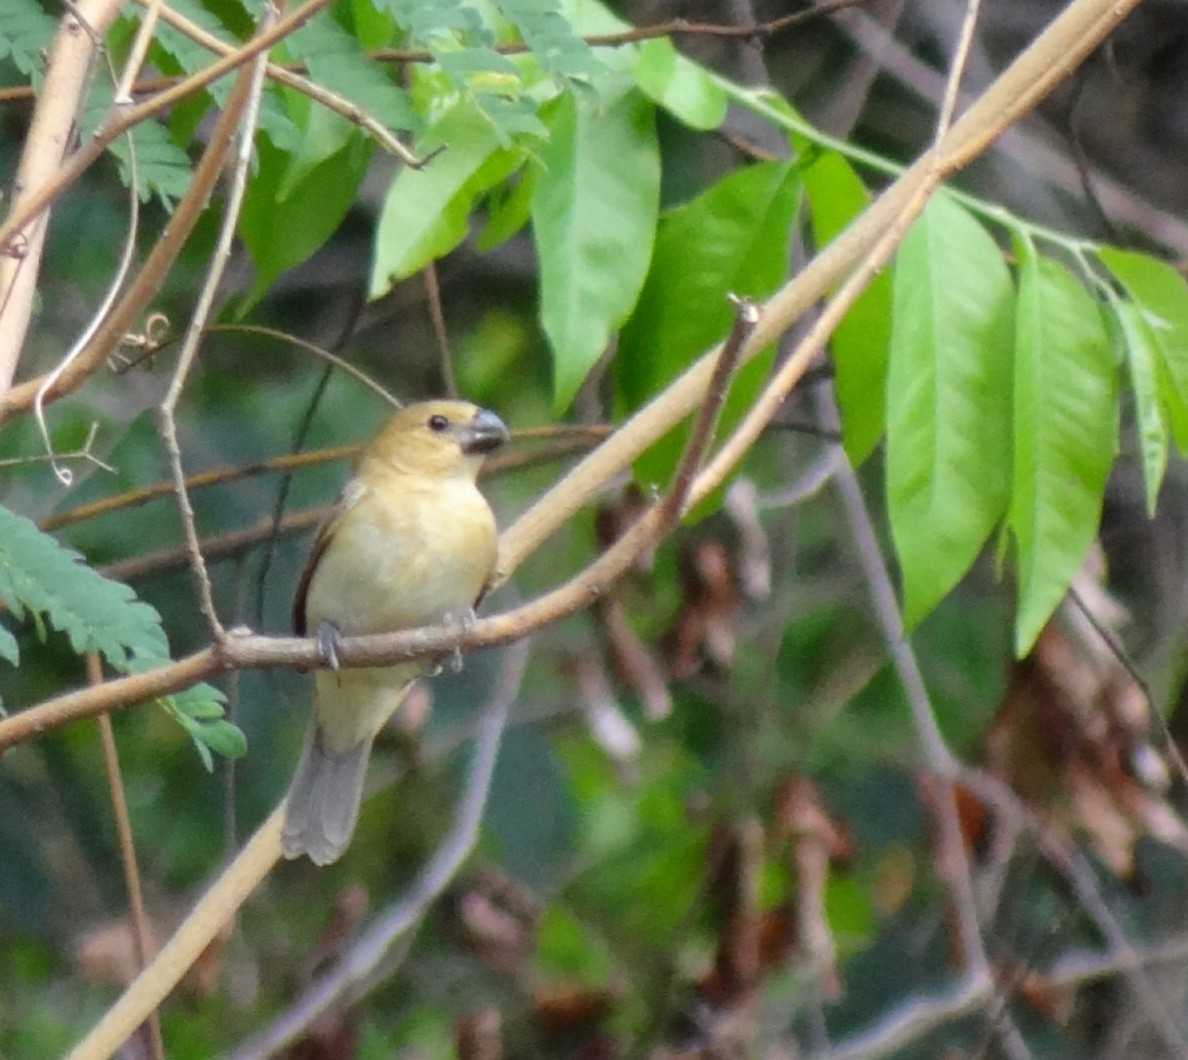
column 410, row 542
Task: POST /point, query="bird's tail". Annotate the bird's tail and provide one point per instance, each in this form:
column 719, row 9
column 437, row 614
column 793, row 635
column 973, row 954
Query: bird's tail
column 323, row 803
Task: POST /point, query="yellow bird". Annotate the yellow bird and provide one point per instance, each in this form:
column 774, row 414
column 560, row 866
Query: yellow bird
column 410, row 542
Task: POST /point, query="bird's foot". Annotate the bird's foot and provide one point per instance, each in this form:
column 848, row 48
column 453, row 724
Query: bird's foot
column 328, row 638
column 465, row 621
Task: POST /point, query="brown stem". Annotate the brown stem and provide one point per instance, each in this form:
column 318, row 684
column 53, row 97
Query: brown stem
column 142, row 936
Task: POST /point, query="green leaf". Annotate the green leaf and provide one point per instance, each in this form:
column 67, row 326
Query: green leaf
column 558, row 49
column 177, row 53
column 162, row 167
column 948, row 401
column 594, row 218
column 1066, row 422
column 426, row 212
column 25, row 33
column 731, row 239
column 679, row 85
column 199, row 710
column 1142, row 358
column 1162, row 295
column 8, row 647
column 336, row 59
column 508, row 208
column 278, row 231
column 40, row 576
column 861, row 342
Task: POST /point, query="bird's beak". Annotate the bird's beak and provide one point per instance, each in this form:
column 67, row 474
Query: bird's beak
column 482, row 434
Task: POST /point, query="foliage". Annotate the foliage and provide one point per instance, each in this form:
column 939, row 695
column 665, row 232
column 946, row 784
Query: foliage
column 714, row 768
column 46, row 583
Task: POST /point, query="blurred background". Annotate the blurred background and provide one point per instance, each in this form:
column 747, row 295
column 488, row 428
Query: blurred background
column 708, row 832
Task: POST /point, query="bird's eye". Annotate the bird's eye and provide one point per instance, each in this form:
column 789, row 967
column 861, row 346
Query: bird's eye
column 438, row 423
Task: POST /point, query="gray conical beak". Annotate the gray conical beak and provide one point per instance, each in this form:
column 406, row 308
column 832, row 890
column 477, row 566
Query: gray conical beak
column 483, row 433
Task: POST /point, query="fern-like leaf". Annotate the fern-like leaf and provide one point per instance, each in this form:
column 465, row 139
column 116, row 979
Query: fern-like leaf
column 41, row 577
column 25, row 32
column 48, row 583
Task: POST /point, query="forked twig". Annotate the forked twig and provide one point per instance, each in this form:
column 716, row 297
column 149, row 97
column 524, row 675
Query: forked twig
column 167, row 425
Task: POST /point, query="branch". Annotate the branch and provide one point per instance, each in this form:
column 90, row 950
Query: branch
column 142, row 936
column 1051, row 57
column 353, row 974
column 167, row 424
column 50, row 131
column 185, row 946
column 152, row 273
column 257, row 859
column 283, row 72
column 1071, row 36
column 120, row 121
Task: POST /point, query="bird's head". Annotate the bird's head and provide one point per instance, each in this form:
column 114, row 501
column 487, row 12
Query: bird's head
column 444, row 438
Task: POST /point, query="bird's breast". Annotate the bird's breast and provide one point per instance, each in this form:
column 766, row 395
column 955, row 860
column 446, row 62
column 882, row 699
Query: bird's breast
column 403, row 555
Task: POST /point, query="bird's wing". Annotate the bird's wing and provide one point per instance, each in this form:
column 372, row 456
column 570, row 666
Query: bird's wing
column 347, row 499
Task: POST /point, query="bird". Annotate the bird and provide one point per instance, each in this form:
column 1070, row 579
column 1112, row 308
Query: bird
column 410, row 541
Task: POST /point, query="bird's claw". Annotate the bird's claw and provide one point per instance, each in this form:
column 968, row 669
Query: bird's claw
column 466, row 621
column 328, row 638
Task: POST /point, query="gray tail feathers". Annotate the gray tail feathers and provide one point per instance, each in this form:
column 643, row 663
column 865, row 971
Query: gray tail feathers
column 323, row 803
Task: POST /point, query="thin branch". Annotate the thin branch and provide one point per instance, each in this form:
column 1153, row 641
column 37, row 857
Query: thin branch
column 329, row 356
column 50, row 132
column 437, row 317
column 1114, row 646
column 564, row 440
column 140, row 46
column 84, row 453
column 954, row 866
column 121, row 120
column 908, row 1023
column 152, row 272
column 186, row 944
column 356, row 971
column 142, row 936
column 64, row 474
column 222, row 251
column 290, row 78
column 1060, row 853
column 144, row 494
column 282, row 72
column 953, row 81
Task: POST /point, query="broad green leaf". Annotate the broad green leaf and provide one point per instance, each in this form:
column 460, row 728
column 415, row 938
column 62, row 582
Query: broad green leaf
column 948, row 401
column 1066, row 424
column 1142, row 358
column 426, row 211
column 1162, row 295
column 280, row 232
column 594, row 212
column 688, row 91
column 508, row 208
column 679, row 85
column 861, row 341
column 323, row 135
column 732, row 239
